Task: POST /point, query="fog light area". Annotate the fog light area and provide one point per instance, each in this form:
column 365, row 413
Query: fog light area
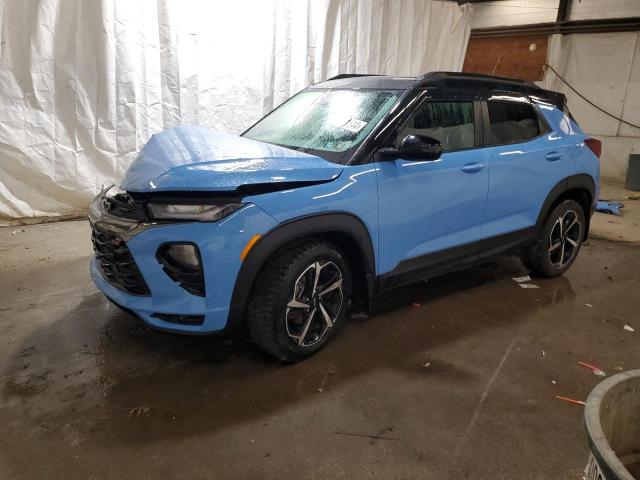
column 182, row 263
column 184, row 254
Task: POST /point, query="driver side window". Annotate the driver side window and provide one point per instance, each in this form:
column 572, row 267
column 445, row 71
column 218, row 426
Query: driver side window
column 451, row 123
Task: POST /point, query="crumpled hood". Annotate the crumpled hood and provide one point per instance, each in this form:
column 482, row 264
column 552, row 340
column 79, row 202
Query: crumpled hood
column 196, row 158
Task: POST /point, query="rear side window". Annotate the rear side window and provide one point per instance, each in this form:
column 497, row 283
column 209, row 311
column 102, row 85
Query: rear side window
column 449, row 122
column 512, row 122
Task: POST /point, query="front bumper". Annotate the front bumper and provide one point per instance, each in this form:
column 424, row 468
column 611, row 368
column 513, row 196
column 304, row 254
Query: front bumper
column 220, row 244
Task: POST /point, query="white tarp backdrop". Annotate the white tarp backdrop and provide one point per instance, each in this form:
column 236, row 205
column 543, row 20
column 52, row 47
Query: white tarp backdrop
column 605, row 68
column 84, row 83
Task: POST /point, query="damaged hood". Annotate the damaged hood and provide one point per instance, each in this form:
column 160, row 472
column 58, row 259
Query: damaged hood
column 196, row 158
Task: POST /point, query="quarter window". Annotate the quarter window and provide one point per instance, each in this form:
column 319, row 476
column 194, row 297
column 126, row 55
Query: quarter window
column 449, row 122
column 512, row 122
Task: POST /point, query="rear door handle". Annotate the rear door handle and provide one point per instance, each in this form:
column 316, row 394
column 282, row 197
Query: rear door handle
column 553, row 156
column 472, row 167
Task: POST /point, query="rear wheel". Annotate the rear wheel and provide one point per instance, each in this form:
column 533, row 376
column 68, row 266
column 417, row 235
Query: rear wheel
column 298, row 300
column 559, row 241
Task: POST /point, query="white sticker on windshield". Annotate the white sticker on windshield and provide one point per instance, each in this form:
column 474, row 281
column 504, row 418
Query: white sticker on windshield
column 354, row 125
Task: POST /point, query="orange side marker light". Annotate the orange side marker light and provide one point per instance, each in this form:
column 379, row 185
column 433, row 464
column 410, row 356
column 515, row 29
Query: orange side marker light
column 249, row 246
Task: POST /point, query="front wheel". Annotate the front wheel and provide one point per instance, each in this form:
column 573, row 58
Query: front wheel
column 559, row 241
column 298, row 300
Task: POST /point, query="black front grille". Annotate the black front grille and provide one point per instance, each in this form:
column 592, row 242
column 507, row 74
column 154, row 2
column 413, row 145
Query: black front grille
column 116, row 263
column 122, row 205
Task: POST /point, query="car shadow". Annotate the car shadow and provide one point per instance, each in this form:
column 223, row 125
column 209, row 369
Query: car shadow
column 118, row 381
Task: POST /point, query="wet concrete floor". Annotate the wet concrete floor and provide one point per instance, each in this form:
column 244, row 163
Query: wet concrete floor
column 460, row 385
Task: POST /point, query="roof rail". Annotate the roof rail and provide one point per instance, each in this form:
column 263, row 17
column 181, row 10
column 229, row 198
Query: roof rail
column 480, row 80
column 350, row 75
column 488, row 83
column 474, row 76
column 480, row 77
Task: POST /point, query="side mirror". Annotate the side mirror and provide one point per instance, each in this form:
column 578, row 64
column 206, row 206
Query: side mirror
column 414, row 147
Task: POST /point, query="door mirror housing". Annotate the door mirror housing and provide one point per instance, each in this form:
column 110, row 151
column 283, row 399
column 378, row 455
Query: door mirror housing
column 414, row 147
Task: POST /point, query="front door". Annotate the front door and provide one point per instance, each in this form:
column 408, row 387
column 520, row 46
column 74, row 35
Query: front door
column 430, row 212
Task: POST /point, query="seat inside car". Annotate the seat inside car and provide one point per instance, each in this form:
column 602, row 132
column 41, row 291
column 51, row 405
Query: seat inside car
column 451, row 138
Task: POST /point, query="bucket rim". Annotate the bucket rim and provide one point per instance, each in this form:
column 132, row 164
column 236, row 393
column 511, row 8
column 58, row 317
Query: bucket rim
column 598, row 443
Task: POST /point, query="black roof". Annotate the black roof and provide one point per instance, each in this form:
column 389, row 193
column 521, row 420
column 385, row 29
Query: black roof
column 484, row 85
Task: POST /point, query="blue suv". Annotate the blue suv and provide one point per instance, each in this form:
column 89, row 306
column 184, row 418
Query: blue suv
column 354, row 186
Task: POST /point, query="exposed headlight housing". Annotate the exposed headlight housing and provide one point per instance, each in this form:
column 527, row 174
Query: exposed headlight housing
column 113, row 190
column 197, row 212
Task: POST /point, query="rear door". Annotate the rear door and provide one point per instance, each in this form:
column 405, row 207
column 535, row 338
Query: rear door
column 526, row 160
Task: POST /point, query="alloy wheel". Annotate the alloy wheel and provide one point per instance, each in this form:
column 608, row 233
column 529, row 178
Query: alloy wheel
column 315, row 303
column 564, row 239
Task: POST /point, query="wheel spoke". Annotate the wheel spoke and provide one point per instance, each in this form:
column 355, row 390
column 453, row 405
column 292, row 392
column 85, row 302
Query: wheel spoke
column 305, row 330
column 554, row 247
column 562, row 256
column 555, row 228
column 561, row 222
column 332, row 287
column 572, row 241
column 317, row 268
column 575, row 222
column 325, row 314
column 297, row 304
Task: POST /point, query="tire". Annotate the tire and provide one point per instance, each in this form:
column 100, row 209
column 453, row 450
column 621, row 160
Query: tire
column 286, row 317
column 559, row 241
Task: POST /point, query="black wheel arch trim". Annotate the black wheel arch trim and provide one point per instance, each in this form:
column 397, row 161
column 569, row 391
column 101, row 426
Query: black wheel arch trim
column 287, row 232
column 580, row 181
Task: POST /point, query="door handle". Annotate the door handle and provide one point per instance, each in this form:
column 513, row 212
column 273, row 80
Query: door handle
column 553, row 156
column 472, row 167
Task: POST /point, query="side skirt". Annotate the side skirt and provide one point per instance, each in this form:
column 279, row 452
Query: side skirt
column 452, row 259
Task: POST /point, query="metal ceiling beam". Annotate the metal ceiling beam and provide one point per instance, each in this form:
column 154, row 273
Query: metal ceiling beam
column 563, row 10
column 462, row 2
column 576, row 26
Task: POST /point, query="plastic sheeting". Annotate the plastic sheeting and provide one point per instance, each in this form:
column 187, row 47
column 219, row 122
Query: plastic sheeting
column 605, row 68
column 84, row 83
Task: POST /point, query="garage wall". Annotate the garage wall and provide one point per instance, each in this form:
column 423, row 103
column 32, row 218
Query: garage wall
column 501, row 13
column 522, row 57
column 605, row 68
column 596, row 9
column 84, row 83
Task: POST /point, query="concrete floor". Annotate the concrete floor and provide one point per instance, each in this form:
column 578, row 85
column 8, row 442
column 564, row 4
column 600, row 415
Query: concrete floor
column 625, row 228
column 461, row 386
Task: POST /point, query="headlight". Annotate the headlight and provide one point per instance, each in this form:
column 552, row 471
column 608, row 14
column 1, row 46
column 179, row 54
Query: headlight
column 199, row 213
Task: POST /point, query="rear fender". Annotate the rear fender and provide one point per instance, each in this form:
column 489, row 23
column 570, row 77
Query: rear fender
column 581, row 181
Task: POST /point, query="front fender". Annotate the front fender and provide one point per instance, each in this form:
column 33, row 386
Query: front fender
column 288, row 232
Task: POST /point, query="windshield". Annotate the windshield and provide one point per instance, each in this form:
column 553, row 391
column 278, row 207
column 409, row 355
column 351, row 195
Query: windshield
column 324, row 120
